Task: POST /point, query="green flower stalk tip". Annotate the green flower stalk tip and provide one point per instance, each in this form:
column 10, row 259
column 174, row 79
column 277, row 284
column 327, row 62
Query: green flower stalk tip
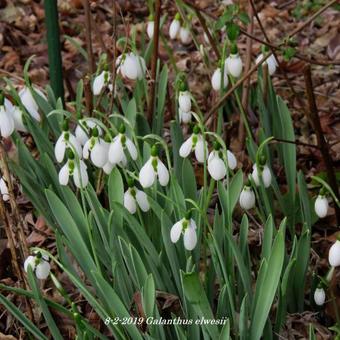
column 65, row 125
column 122, row 129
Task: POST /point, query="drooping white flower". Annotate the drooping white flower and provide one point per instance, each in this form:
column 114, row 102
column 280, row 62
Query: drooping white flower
column 134, row 197
column 185, row 35
column 6, row 122
column 150, row 29
column 321, row 206
column 96, row 149
column 66, row 141
column 152, row 169
column 132, row 66
column 100, row 81
column 184, row 117
column 271, row 62
column 16, row 114
column 119, row 146
column 217, row 167
column 319, row 296
column 194, row 143
column 233, row 63
column 184, row 101
column 29, row 102
column 217, row 78
column 39, row 264
column 78, row 171
column 334, row 254
column 84, row 128
column 4, row 189
column 187, row 227
column 247, row 198
column 175, row 27
column 266, row 176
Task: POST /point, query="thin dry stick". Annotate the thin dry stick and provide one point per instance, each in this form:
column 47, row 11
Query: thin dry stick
column 246, row 87
column 88, row 35
column 154, row 60
column 296, row 142
column 14, row 258
column 15, row 211
column 323, row 145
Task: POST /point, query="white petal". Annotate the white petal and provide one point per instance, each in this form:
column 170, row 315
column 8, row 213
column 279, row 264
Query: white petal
column 75, row 145
column 266, row 176
column 216, row 79
column 272, row 64
column 4, row 190
column 80, row 176
column 334, row 254
column 116, row 151
column 59, row 149
column 64, row 175
column 185, row 35
column 193, row 224
column 86, row 149
column 29, row 102
column 232, row 162
column 186, row 148
column 247, row 199
column 174, row 28
column 234, row 65
column 6, row 123
column 150, row 29
column 142, row 200
column 319, row 296
column 184, row 101
column 98, row 83
column 176, row 230
column 17, row 118
column 216, row 168
column 184, row 117
column 30, row 261
column 130, row 202
column 141, row 67
column 107, row 168
column 321, row 206
column 42, row 270
column 99, row 155
column 199, row 150
column 147, row 174
column 190, row 238
column 129, row 67
column 163, row 173
column 131, row 148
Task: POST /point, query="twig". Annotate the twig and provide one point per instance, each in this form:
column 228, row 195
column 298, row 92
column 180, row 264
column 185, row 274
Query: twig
column 246, row 87
column 154, row 60
column 88, row 35
column 323, row 145
column 296, row 143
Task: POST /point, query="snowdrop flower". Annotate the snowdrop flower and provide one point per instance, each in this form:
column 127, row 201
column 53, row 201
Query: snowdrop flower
column 39, row 264
column 184, row 101
column 134, row 197
column 152, row 169
column 4, row 190
column 185, row 35
column 319, row 296
column 217, row 78
column 16, row 114
column 271, row 62
column 247, row 198
column 6, row 122
column 119, row 146
column 334, row 254
column 216, row 166
column 321, row 206
column 150, row 27
column 184, row 117
column 29, row 102
column 66, row 140
column 187, row 227
column 133, row 67
column 266, row 175
column 96, row 149
column 194, row 142
column 175, row 27
column 83, row 129
column 233, row 63
column 78, row 171
column 100, row 81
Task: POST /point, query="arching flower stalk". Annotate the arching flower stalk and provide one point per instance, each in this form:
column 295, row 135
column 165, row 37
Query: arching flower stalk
column 39, row 264
column 75, row 169
column 66, row 141
column 194, row 143
column 96, row 149
column 186, row 226
column 121, row 145
column 134, row 197
column 154, row 168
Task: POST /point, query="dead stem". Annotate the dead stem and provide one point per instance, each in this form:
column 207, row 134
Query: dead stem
column 323, row 145
column 154, row 60
column 88, row 36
